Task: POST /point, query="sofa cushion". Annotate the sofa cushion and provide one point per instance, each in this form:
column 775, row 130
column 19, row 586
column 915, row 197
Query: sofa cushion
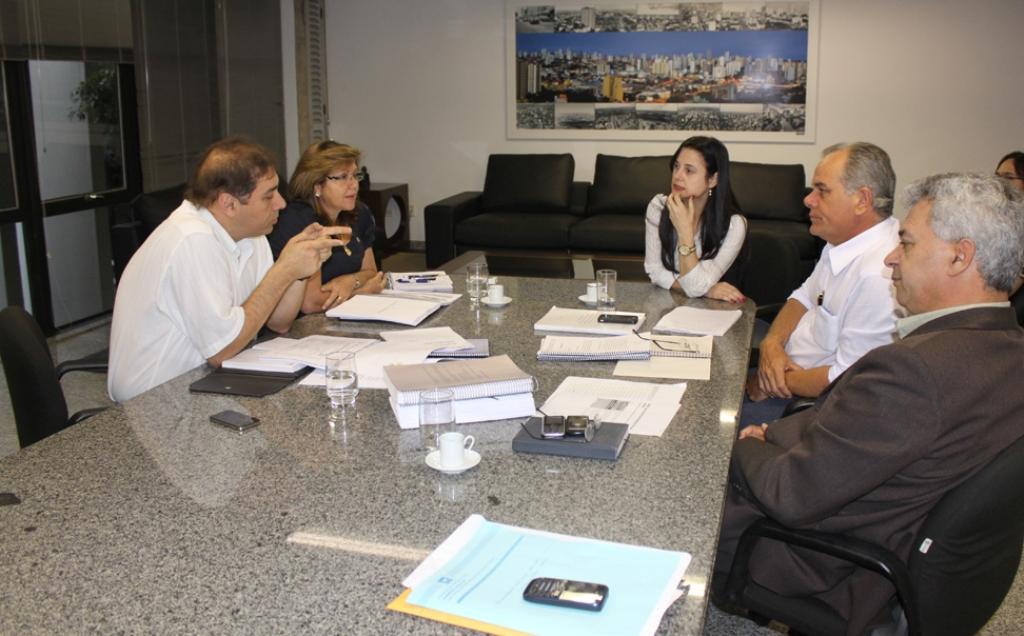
column 608, row 233
column 516, row 229
column 769, row 191
column 625, row 185
column 807, row 246
column 535, row 183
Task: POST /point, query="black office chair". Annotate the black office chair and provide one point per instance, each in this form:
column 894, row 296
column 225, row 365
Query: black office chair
column 33, row 382
column 975, row 535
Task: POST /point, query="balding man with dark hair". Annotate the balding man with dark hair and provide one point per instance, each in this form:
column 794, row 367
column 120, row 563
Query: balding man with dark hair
column 204, row 282
column 909, row 421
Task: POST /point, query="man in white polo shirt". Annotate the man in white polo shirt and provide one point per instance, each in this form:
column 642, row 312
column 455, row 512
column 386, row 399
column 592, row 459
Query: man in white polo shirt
column 847, row 306
column 204, row 282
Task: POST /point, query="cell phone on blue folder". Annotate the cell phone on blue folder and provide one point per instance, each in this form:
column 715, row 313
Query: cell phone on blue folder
column 566, row 593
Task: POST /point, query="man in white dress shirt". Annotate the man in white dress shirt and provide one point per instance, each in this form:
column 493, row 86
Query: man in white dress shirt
column 847, row 306
column 204, row 282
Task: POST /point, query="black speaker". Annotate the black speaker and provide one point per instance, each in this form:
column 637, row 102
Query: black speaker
column 389, row 203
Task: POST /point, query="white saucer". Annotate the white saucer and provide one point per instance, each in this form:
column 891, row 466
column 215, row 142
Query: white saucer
column 504, row 301
column 589, row 303
column 472, row 458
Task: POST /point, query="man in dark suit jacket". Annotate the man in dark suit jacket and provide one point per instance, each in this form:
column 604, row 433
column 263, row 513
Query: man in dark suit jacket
column 909, row 421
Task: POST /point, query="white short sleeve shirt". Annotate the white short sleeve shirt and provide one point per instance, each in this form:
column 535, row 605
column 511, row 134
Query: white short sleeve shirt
column 851, row 305
column 180, row 298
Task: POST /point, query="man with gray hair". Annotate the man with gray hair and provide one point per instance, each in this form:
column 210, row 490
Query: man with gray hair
column 845, row 308
column 909, row 421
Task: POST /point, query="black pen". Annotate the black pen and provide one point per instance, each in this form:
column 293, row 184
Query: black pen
column 821, row 298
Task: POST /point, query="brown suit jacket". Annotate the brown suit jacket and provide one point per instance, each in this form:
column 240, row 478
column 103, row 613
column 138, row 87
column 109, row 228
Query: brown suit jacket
column 904, row 425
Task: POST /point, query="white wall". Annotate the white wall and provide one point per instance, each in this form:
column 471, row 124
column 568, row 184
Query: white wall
column 419, row 86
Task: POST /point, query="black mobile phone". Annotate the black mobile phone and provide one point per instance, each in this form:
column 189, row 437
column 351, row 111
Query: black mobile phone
column 234, row 420
column 566, row 593
column 617, row 318
column 552, row 427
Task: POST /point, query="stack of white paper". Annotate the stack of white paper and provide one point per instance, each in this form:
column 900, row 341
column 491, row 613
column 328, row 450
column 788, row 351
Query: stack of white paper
column 484, row 389
column 403, row 311
column 562, row 320
column 311, row 350
column 252, row 360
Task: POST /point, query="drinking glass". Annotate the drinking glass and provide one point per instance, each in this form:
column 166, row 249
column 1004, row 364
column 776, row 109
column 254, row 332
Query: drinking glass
column 342, row 383
column 476, row 281
column 437, row 416
column 606, row 288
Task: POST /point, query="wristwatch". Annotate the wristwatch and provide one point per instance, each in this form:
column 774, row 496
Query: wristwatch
column 686, row 250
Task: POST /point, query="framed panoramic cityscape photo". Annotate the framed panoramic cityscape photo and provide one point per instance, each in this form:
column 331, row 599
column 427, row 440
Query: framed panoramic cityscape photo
column 742, row 71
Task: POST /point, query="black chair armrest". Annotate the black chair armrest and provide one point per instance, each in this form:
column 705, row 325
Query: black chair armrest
column 797, row 405
column 862, row 553
column 94, row 362
column 440, row 219
column 768, row 312
column 85, row 414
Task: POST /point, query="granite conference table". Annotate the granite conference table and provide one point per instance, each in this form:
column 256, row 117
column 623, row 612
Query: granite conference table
column 148, row 518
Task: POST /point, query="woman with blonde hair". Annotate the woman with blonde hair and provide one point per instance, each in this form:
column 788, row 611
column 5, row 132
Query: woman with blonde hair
column 324, row 188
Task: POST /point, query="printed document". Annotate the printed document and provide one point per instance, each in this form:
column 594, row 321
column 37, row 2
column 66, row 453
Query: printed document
column 441, row 298
column 481, row 570
column 310, row 350
column 437, row 337
column 711, row 322
column 646, row 407
column 666, row 367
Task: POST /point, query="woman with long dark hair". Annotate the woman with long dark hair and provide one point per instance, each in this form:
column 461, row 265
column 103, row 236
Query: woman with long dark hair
column 324, row 188
column 1011, row 167
column 695, row 233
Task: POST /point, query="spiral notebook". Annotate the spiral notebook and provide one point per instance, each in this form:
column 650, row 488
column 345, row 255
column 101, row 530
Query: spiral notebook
column 628, row 347
column 469, row 379
column 574, row 349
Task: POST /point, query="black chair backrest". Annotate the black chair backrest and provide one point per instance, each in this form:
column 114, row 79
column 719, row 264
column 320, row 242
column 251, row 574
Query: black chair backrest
column 974, row 537
column 36, row 395
column 151, row 208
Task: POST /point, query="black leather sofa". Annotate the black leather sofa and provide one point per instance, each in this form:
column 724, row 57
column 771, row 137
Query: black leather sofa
column 531, row 218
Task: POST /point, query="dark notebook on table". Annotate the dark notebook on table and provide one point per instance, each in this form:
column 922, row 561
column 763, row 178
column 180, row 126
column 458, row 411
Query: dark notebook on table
column 248, row 383
column 606, row 444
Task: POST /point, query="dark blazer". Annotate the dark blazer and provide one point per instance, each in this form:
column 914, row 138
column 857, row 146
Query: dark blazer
column 900, row 428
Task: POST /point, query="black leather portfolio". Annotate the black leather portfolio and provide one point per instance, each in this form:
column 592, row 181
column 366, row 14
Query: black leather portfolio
column 606, row 444
column 249, row 383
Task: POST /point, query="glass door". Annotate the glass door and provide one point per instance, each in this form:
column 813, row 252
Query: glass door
column 81, row 160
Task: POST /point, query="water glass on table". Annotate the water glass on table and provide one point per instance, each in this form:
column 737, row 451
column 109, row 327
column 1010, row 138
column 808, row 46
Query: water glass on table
column 606, row 288
column 342, row 383
column 476, row 281
column 437, row 416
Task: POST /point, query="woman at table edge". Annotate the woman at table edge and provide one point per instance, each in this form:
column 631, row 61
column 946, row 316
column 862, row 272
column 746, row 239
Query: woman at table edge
column 324, row 188
column 695, row 233
column 1011, row 168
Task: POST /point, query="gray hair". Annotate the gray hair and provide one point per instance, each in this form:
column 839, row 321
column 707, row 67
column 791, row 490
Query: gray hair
column 868, row 166
column 983, row 208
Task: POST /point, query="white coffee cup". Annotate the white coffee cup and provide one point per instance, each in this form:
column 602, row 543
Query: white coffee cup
column 591, row 292
column 496, row 293
column 453, row 449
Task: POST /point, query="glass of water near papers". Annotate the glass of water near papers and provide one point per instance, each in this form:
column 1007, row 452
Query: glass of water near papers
column 606, row 288
column 476, row 281
column 437, row 415
column 342, row 383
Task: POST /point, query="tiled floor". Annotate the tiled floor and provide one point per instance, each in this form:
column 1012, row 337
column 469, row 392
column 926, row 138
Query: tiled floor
column 85, row 390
